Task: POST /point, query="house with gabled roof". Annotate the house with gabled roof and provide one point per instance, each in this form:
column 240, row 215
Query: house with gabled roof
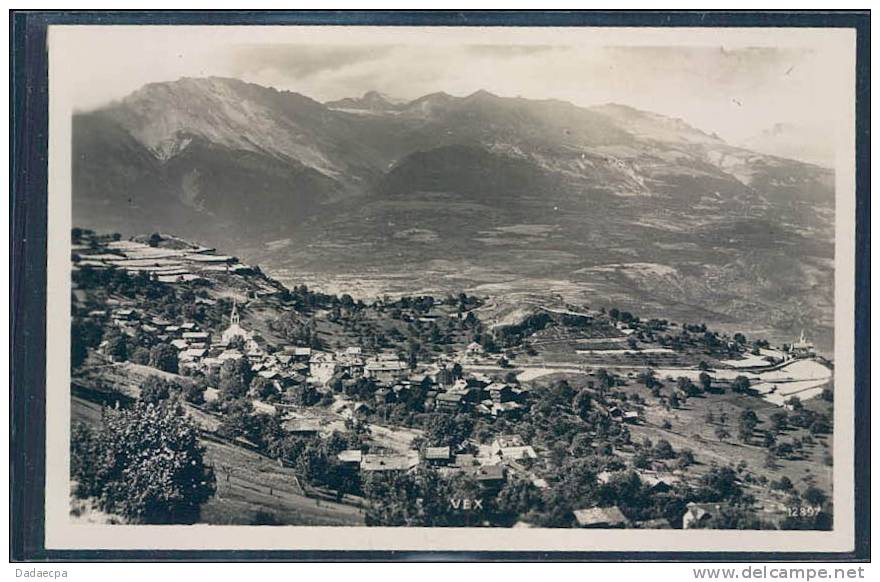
column 373, row 463
column 449, row 401
column 697, row 513
column 350, row 456
column 438, row 455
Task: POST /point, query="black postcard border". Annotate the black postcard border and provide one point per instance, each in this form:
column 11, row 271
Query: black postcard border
column 28, row 230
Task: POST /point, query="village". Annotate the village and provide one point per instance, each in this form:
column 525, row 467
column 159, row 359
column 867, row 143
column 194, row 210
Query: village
column 315, row 388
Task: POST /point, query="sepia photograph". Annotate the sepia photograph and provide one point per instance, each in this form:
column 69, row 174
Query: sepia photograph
column 450, row 288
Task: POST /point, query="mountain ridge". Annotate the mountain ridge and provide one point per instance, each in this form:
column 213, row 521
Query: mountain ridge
column 481, row 188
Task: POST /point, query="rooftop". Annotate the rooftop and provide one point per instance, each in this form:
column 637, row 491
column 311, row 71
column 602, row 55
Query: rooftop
column 593, row 516
column 488, row 473
column 350, row 456
column 387, row 462
column 301, row 425
column 437, row 453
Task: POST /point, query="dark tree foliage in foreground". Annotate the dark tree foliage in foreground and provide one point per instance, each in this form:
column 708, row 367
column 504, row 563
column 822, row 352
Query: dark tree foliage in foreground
column 154, row 390
column 164, row 357
column 734, row 518
column 425, row 499
column 84, row 334
column 144, row 464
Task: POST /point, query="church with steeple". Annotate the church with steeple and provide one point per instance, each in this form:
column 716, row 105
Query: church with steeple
column 236, row 330
column 803, row 348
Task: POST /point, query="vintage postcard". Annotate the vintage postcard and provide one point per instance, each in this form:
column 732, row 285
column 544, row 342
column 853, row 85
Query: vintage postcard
column 451, row 288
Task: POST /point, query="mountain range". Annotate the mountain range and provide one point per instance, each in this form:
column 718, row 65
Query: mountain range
column 605, row 205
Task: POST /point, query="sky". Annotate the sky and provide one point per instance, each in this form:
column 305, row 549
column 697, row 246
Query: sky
column 733, row 84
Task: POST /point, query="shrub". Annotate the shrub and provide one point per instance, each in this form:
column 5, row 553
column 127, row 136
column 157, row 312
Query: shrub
column 144, row 464
column 155, row 389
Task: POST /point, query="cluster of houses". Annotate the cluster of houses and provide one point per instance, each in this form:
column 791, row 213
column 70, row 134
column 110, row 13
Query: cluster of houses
column 695, row 515
column 802, row 348
column 200, row 350
column 292, row 365
column 187, row 337
column 486, row 397
column 490, row 466
column 473, row 393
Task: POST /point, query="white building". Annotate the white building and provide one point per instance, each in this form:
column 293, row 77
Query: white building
column 236, row 330
column 803, row 348
column 322, row 366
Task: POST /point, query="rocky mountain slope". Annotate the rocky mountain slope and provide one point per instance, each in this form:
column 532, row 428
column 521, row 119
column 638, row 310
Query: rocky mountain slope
column 609, row 204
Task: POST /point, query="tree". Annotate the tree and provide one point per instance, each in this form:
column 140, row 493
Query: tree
column 786, row 450
column 144, row 464
column 154, row 239
column 606, row 380
column 140, row 355
column 313, row 463
column 235, row 378
column 722, row 433
column 779, row 421
column 648, row 378
column 687, row 386
column 581, row 445
column 84, row 334
column 581, row 403
column 117, row 346
column 748, row 420
column 731, row 518
column 164, row 357
column 457, row 371
column 517, row 497
column 236, row 418
column 155, row 389
column 305, row 395
column 719, row 484
column 705, row 381
column 814, row 496
column 663, row 450
column 262, row 387
column 741, row 384
column 820, row 425
column 783, row 484
column 287, row 448
column 420, row 498
column 642, row 459
column 194, row 393
column 576, row 483
column 685, row 458
column 448, row 430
